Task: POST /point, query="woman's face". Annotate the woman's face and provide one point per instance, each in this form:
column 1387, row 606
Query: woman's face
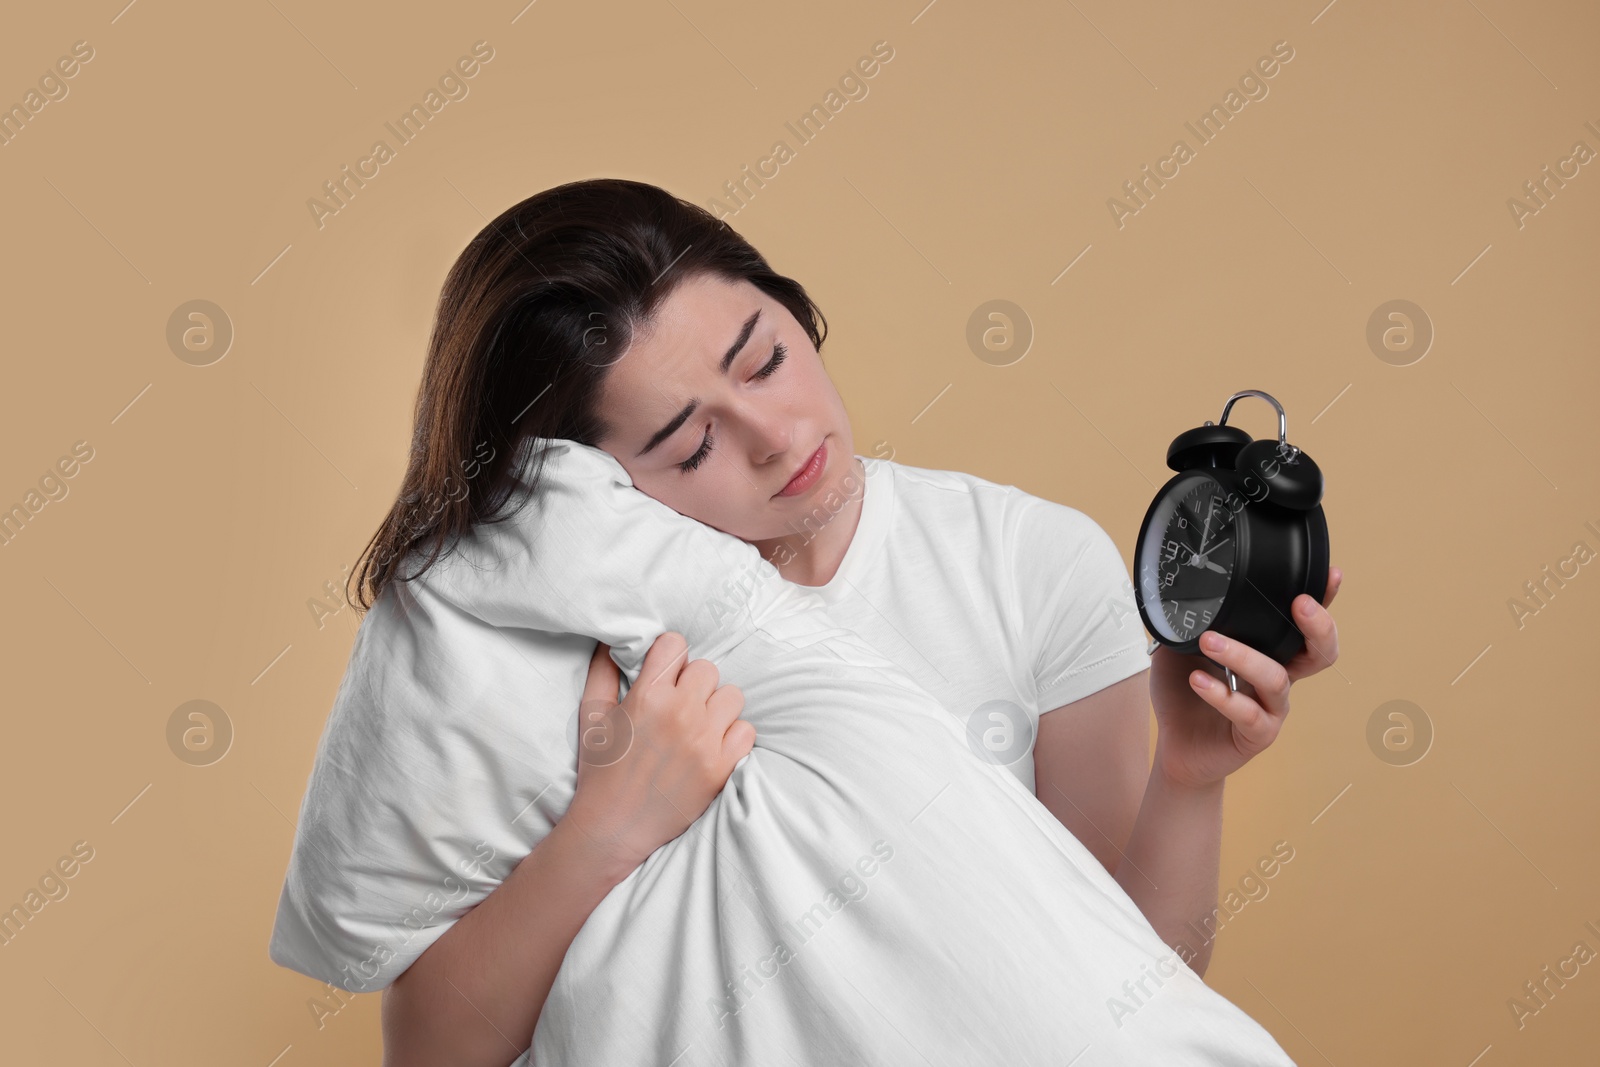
column 677, row 384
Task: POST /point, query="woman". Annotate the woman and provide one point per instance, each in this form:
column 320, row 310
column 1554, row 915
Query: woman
column 610, row 313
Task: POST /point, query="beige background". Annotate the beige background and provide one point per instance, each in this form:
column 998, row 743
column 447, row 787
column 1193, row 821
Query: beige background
column 220, row 498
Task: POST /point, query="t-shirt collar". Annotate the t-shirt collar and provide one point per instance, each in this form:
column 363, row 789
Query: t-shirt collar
column 877, row 504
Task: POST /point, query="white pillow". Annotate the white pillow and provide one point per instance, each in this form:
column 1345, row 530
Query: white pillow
column 863, row 889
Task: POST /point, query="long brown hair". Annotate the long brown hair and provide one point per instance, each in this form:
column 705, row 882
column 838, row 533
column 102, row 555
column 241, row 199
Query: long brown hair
column 535, row 310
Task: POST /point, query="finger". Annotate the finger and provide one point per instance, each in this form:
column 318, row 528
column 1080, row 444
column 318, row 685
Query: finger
column 1266, row 675
column 1322, row 638
column 1194, row 661
column 699, row 678
column 1255, row 726
column 665, row 658
column 1335, row 580
column 725, row 705
column 603, row 680
column 738, row 740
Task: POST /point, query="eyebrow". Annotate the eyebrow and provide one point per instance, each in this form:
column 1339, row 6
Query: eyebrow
column 694, row 402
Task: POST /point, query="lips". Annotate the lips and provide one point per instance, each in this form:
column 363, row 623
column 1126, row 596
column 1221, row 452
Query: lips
column 809, row 472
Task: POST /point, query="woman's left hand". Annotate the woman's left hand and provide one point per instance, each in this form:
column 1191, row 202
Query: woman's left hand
column 1195, row 745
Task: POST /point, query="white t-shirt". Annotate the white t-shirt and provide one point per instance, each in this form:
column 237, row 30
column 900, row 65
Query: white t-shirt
column 1002, row 604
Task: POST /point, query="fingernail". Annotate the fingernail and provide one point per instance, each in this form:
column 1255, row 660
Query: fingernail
column 1214, row 641
column 1201, row 680
column 1304, row 608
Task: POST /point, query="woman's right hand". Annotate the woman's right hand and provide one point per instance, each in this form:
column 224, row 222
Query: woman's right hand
column 651, row 765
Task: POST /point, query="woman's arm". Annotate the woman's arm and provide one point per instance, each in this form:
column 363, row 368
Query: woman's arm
column 1160, row 839
column 1176, row 839
column 475, row 995
column 1170, row 866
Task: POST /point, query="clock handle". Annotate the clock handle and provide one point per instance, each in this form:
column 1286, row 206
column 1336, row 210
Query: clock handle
column 1283, row 420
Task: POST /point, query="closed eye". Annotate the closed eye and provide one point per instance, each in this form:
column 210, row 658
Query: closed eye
column 779, row 352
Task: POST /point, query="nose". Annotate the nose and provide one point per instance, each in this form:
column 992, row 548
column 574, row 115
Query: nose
column 771, row 431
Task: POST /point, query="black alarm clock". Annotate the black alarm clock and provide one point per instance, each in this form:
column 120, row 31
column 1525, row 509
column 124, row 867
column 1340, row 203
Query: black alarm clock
column 1231, row 540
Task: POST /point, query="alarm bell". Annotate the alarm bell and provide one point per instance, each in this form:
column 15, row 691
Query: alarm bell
column 1272, row 471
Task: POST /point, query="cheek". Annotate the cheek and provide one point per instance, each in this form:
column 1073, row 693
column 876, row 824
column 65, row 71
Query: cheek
column 711, row 495
column 807, row 390
column 726, row 499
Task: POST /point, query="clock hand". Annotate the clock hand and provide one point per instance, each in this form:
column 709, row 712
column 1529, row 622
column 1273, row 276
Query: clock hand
column 1199, row 558
column 1216, row 567
column 1206, row 532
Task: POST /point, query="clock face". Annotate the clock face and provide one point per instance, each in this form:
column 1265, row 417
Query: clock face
column 1187, row 558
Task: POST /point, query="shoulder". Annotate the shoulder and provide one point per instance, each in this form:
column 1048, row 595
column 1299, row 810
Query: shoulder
column 1034, row 550
column 948, row 515
column 1025, row 524
column 934, row 482
column 1064, row 535
column 953, row 493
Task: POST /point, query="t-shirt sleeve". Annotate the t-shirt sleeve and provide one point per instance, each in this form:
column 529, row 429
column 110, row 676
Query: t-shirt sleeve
column 1078, row 621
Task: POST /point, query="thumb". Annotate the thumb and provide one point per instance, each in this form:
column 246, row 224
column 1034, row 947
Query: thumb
column 604, row 676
